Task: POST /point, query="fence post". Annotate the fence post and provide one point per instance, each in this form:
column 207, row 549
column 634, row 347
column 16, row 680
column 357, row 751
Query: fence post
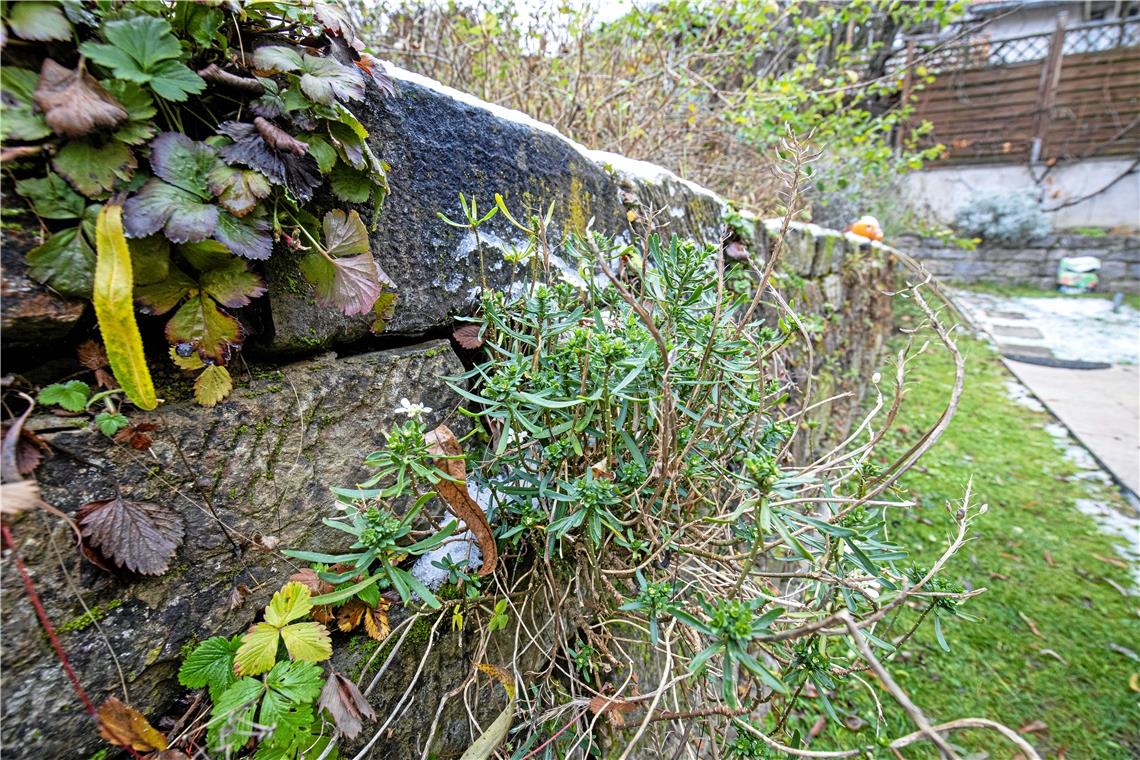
column 1047, row 89
column 907, row 84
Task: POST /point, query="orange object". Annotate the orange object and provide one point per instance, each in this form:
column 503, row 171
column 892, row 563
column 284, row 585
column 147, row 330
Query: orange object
column 868, row 227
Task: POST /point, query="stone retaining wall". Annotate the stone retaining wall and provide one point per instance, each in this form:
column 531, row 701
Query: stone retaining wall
column 314, row 394
column 1034, row 263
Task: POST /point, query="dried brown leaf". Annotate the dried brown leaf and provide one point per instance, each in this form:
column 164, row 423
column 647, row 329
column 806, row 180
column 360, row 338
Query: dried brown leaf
column 376, row 620
column 92, row 355
column 345, row 704
column 468, row 336
column 278, row 138
column 442, row 443
column 238, row 595
column 30, row 450
column 137, row 435
column 18, row 151
column 611, row 706
column 74, row 103
column 350, row 615
column 137, row 535
column 124, row 726
column 217, row 75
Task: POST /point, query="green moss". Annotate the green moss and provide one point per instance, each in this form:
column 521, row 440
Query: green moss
column 87, row 619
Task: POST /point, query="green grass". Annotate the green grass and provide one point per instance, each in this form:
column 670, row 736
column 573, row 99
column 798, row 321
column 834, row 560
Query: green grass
column 1025, row 291
column 1036, row 555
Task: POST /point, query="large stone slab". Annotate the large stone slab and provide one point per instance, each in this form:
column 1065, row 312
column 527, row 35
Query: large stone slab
column 439, row 143
column 261, row 463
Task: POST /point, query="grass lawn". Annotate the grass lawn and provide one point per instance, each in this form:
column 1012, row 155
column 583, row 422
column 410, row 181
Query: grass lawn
column 1042, row 649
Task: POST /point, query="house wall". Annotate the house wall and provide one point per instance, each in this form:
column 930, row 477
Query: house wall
column 942, row 191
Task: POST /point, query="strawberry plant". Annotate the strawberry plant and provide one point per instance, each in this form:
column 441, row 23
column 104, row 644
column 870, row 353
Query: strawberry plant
column 212, row 126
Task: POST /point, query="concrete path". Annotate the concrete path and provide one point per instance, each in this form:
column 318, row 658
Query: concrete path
column 1101, row 407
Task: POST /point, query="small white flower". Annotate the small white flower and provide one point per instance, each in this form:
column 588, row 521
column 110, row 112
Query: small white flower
column 414, row 411
column 875, row 378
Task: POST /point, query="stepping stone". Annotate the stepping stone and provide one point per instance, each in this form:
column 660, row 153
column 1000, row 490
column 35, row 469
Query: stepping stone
column 1014, row 331
column 1016, row 349
column 998, row 314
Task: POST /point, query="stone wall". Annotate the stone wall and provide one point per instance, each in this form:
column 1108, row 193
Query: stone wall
column 1033, row 263
column 314, row 394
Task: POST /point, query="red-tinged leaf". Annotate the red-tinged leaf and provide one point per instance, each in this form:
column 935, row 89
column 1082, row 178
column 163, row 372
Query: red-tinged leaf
column 74, row 103
column 205, row 328
column 137, row 535
column 160, row 297
column 345, row 704
column 137, row 435
column 345, row 234
column 351, row 283
column 468, row 336
column 309, row 578
column 441, row 442
column 124, row 726
column 298, row 173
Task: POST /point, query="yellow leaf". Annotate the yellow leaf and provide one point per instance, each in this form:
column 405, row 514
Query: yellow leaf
column 124, row 726
column 307, row 641
column 193, row 361
column 113, row 295
column 213, row 385
column 258, row 650
column 289, row 603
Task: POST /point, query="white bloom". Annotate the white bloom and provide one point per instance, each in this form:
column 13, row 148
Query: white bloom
column 414, row 411
column 875, row 378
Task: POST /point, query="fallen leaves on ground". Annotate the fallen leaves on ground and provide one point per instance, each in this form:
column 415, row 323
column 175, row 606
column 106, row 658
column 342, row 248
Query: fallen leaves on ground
column 345, row 704
column 124, row 726
column 74, row 103
column 137, row 535
column 443, row 444
column 137, row 435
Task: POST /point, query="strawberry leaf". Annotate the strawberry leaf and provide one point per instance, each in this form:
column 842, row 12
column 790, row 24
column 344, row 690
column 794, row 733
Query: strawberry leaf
column 213, row 385
column 296, row 682
column 110, row 423
column 66, row 262
column 258, row 650
column 324, row 80
column 93, row 170
column 18, row 118
column 160, row 297
column 210, row 664
column 247, row 237
column 238, row 190
column 350, row 185
column 181, row 215
column 38, row 21
column 231, row 721
column 307, row 641
column 289, row 603
column 71, row 395
column 299, row 173
column 205, row 328
column 137, row 535
column 143, row 49
column 233, row 284
column 139, row 105
column 183, row 163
